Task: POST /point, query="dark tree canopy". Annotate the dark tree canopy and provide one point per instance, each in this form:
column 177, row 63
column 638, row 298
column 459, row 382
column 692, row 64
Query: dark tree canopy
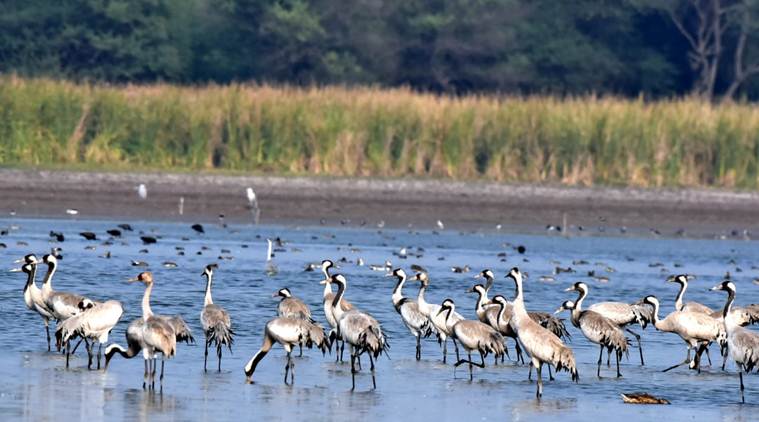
column 621, row 47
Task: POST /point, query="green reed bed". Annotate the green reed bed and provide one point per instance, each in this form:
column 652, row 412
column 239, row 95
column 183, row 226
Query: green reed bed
column 378, row 132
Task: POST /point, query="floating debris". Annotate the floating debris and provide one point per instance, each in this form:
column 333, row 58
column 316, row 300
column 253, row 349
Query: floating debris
column 642, row 398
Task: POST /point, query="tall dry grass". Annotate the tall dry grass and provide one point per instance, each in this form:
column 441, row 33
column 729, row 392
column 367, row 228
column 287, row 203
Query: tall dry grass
column 379, row 132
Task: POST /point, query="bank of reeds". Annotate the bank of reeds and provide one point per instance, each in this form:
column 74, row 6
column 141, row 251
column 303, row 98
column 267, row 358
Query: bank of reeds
column 379, row 132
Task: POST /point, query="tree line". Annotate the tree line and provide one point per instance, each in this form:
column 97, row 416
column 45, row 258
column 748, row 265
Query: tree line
column 654, row 48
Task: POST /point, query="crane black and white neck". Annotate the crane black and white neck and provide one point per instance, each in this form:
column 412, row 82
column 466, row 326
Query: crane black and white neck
column 417, row 323
column 742, row 344
column 215, row 320
column 360, row 330
column 682, row 280
column 63, row 305
column 473, row 336
column 542, row 345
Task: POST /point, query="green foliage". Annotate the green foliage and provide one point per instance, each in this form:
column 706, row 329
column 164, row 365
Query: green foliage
column 375, row 132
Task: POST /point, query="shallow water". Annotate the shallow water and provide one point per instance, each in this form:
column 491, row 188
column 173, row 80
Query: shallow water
column 37, row 386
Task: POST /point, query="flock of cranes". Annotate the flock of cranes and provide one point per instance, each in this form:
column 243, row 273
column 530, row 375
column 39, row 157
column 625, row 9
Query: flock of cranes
column 539, row 335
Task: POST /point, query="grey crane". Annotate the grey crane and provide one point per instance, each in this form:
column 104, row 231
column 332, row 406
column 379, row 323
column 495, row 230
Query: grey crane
column 432, row 311
column 473, row 336
column 215, row 320
column 695, row 328
column 288, row 332
column 543, row 346
column 360, row 330
column 742, row 344
column 157, row 334
column 417, row 323
column 620, row 313
column 598, row 330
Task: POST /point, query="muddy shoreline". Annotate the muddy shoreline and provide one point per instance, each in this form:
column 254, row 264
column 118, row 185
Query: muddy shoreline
column 699, row 213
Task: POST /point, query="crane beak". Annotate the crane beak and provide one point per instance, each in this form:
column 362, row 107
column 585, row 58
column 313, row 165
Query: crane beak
column 275, row 294
column 717, row 287
column 15, row 270
column 442, row 309
column 133, row 280
column 389, row 275
column 325, row 281
column 478, row 275
column 569, row 289
column 558, row 311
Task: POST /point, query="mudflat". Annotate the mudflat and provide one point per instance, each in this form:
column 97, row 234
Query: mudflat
column 699, row 213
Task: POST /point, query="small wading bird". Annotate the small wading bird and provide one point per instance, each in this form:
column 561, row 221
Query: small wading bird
column 418, row 324
column 620, row 313
column 438, row 319
column 158, row 335
column 598, row 330
column 473, row 336
column 292, row 307
column 360, row 330
column 542, row 345
column 215, row 321
column 742, row 344
column 288, row 332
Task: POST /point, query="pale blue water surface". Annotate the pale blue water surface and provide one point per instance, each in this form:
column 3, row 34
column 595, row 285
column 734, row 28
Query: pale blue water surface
column 36, row 386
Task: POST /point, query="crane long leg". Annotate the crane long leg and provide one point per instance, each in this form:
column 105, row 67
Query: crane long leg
column 600, row 360
column 152, row 374
column 100, row 352
column 445, row 350
column 539, row 370
column 145, row 375
column 619, row 356
column 161, row 377
column 550, row 374
column 608, row 358
column 218, row 352
column 640, row 348
column 353, row 373
column 520, row 356
column 470, row 366
column 740, row 375
column 88, row 346
column 418, row 348
column 205, row 361
column 371, row 362
column 47, row 331
column 457, row 348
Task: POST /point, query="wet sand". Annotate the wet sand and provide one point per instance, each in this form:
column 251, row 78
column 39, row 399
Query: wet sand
column 699, row 213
